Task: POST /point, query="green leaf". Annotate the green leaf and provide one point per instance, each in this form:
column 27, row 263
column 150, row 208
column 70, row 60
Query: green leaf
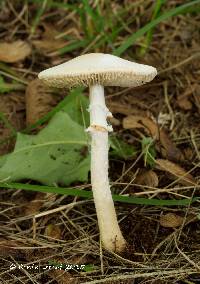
column 54, row 155
column 76, row 106
column 121, row 149
column 89, row 267
column 58, row 154
column 73, row 45
column 149, row 151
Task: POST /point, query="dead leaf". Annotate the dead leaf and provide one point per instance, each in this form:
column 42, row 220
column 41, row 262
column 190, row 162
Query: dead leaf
column 11, row 248
column 63, row 277
column 12, row 107
column 14, row 51
column 171, row 220
column 35, row 205
column 49, row 45
column 114, row 121
column 126, row 109
column 49, row 42
column 132, row 121
column 39, row 101
column 183, row 99
column 147, row 177
column 151, row 128
column 53, row 231
column 177, row 172
column 184, row 103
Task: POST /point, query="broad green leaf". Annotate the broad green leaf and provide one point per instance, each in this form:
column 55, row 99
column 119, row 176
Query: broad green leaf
column 76, row 106
column 56, row 155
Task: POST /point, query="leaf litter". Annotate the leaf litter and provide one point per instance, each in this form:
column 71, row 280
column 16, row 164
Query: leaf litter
column 39, row 101
column 152, row 129
column 14, row 51
column 49, row 42
column 171, row 45
column 171, row 220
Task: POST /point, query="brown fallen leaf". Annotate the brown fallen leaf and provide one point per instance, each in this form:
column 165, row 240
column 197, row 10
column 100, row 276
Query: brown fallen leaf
column 171, row 220
column 126, row 109
column 34, row 206
column 12, row 108
column 176, row 171
column 14, row 51
column 114, row 121
column 49, row 42
column 11, row 248
column 63, row 277
column 151, row 128
column 39, row 101
column 53, row 231
column 184, row 103
column 183, row 99
column 147, row 177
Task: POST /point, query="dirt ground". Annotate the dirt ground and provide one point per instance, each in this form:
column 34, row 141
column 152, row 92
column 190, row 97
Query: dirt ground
column 163, row 241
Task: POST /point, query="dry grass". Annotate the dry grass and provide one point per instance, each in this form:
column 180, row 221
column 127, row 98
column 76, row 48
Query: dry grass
column 38, row 229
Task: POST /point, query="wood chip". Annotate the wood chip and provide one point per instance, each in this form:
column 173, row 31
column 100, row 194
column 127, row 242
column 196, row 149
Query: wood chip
column 171, row 220
column 14, row 51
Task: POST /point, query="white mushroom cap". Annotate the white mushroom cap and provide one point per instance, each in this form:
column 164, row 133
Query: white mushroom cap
column 98, row 68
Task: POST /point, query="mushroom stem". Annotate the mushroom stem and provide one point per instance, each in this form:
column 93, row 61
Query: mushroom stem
column 110, row 232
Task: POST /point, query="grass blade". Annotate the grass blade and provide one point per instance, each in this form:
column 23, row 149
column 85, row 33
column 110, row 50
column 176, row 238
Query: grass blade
column 73, row 45
column 88, row 194
column 175, row 11
column 36, row 21
column 148, row 39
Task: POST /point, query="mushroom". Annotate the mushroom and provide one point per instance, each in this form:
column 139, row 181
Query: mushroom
column 97, row 70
